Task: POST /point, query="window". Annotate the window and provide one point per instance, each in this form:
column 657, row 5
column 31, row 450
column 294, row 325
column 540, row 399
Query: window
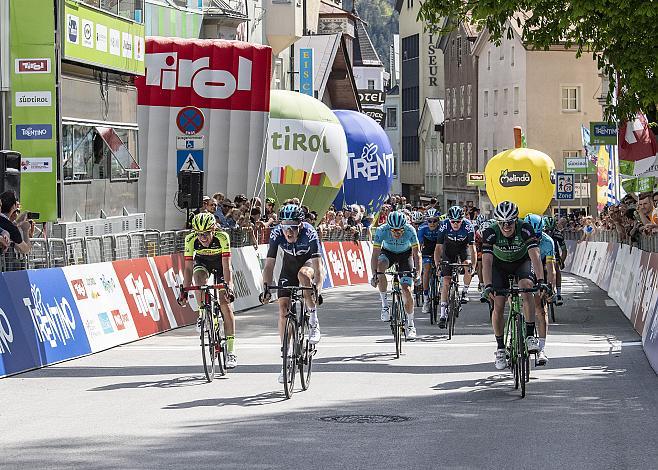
column 516, row 100
column 469, row 156
column 410, row 116
column 454, row 102
column 277, row 79
column 461, row 101
column 505, row 98
column 495, row 106
column 571, row 98
column 371, row 84
column 495, row 152
column 448, row 159
column 131, row 9
column 462, row 157
column 488, row 60
column 410, row 3
column 447, row 110
column 485, row 155
column 512, row 56
column 571, row 153
column 501, row 50
column 410, row 149
column 468, row 100
column 91, row 152
column 459, row 51
column 485, row 103
column 391, row 117
column 455, row 158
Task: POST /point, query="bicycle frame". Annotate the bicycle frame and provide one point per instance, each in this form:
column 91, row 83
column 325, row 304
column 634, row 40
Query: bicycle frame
column 398, row 313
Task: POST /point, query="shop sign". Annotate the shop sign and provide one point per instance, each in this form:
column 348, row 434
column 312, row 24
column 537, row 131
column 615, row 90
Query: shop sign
column 371, row 97
column 475, row 179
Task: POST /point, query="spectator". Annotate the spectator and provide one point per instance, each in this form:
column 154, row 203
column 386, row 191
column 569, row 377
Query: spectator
column 219, row 197
column 645, row 207
column 20, row 230
column 221, row 215
column 203, row 208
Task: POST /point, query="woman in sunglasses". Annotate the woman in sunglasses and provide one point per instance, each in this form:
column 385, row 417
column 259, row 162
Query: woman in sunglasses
column 301, row 265
column 510, row 248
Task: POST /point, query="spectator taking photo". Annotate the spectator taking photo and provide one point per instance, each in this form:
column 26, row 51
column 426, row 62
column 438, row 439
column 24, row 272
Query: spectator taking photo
column 16, row 228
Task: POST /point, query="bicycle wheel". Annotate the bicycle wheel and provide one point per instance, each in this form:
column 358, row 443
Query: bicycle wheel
column 452, row 298
column 551, row 311
column 221, row 342
column 289, row 355
column 306, row 357
column 430, row 294
column 395, row 318
column 435, row 299
column 208, row 346
column 522, row 353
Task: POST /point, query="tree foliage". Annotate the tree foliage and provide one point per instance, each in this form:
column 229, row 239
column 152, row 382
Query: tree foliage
column 382, row 21
column 620, row 34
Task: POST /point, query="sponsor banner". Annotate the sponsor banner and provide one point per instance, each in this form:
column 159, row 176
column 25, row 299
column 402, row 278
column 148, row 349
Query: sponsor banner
column 36, row 165
column 306, row 71
column 103, row 309
column 650, row 337
column 625, row 278
column 34, row 100
column 355, row 262
column 366, row 247
column 48, row 315
column 647, row 290
column 247, row 277
column 608, row 262
column 336, row 264
column 18, row 350
column 170, row 270
column 571, row 249
column 88, row 31
column 140, row 288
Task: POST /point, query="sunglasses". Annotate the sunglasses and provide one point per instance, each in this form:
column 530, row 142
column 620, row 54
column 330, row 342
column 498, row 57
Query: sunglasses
column 205, row 235
column 290, row 228
column 455, row 221
column 432, row 221
column 507, row 223
column 397, row 230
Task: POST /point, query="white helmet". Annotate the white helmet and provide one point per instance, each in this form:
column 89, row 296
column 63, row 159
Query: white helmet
column 417, row 217
column 506, row 211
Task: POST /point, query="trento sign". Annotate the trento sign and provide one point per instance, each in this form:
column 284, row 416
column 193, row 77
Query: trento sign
column 34, row 131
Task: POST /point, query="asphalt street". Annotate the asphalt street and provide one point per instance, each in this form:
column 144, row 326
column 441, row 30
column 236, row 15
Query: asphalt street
column 147, row 404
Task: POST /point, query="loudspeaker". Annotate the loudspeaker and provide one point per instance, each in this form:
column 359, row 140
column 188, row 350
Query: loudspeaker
column 10, row 171
column 190, row 189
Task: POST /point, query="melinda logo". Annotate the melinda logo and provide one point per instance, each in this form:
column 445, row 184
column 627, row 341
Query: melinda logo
column 32, row 65
column 34, row 131
column 33, row 98
column 509, row 179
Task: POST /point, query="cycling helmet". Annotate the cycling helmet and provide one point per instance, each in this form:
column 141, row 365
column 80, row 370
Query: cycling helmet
column 203, row 222
column 291, row 212
column 506, row 211
column 480, row 219
column 417, row 217
column 536, row 222
column 396, row 220
column 455, row 213
column 484, row 225
column 431, row 213
column 443, row 217
column 549, row 222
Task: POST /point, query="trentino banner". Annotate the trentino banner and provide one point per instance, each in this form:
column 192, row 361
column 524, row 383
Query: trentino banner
column 34, row 103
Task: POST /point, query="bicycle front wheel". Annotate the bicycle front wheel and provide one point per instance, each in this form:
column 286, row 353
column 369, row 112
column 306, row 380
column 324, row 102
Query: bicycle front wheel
column 395, row 325
column 289, row 356
column 208, row 346
column 306, row 359
column 221, row 343
column 522, row 354
column 551, row 311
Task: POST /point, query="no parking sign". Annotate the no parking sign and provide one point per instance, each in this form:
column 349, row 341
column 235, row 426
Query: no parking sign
column 190, row 120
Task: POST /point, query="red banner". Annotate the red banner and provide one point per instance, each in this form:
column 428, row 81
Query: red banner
column 355, row 262
column 170, row 270
column 336, row 264
column 141, row 292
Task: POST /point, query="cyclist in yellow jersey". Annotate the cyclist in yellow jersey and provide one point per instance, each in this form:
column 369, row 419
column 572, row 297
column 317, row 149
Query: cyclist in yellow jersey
column 208, row 251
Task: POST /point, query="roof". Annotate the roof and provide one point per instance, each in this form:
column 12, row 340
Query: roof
column 433, row 110
column 394, row 91
column 398, row 5
column 364, row 51
column 332, row 9
column 221, row 8
column 332, row 71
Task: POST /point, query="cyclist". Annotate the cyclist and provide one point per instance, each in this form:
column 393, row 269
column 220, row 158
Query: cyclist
column 208, row 251
column 456, row 243
column 510, row 248
column 417, row 219
column 396, row 242
column 547, row 255
column 301, row 266
column 560, row 254
column 427, row 236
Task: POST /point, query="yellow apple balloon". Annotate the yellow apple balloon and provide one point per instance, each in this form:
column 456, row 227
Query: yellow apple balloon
column 523, row 176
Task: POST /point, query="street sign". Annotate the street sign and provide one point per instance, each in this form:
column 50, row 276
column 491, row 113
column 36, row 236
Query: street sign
column 190, row 142
column 306, row 71
column 191, row 160
column 603, row 133
column 564, row 187
column 190, row 120
column 475, row 179
column 579, row 166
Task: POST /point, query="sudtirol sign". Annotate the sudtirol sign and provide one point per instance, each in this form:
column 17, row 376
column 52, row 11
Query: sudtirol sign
column 509, row 178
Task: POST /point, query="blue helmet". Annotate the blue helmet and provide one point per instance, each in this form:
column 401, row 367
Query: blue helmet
column 455, row 213
column 536, row 222
column 291, row 212
column 431, row 213
column 396, row 220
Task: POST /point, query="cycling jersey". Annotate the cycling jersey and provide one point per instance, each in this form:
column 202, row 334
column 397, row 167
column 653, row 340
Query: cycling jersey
column 306, row 247
column 510, row 249
column 427, row 237
column 208, row 258
column 456, row 239
column 546, row 248
column 385, row 240
column 558, row 239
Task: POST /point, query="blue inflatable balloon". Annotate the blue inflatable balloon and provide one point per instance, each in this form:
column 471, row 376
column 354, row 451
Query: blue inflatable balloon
column 370, row 168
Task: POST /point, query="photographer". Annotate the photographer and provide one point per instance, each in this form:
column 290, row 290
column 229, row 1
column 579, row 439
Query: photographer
column 18, row 227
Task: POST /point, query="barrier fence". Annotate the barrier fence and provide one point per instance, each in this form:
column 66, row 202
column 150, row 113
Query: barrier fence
column 646, row 242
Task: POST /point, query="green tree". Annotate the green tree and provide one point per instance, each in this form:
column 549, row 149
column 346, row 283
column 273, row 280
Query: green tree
column 382, row 20
column 620, row 34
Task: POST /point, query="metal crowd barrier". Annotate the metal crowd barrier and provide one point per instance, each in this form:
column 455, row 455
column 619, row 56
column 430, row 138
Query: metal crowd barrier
column 58, row 252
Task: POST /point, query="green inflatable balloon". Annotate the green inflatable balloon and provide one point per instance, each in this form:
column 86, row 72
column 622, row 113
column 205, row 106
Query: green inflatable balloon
column 306, row 151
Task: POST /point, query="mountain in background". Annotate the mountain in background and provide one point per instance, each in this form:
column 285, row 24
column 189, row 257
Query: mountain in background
column 382, row 23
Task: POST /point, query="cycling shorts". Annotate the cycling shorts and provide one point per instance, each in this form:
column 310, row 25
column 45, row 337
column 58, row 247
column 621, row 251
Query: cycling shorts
column 453, row 257
column 211, row 265
column 428, row 259
column 402, row 260
column 289, row 272
column 501, row 271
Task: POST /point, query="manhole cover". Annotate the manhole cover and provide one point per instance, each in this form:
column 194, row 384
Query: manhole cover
column 365, row 419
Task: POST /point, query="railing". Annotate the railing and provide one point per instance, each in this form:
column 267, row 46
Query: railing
column 58, row 252
column 646, row 242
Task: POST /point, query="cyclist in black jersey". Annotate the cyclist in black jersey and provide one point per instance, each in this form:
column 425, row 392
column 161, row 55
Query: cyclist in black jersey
column 510, row 248
column 560, row 254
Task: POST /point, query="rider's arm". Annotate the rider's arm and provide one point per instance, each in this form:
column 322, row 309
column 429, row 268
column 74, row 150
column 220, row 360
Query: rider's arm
column 474, row 255
column 189, row 257
column 535, row 259
column 415, row 254
column 438, row 253
column 268, row 271
column 373, row 259
column 318, row 271
column 488, row 240
column 228, row 273
column 550, row 270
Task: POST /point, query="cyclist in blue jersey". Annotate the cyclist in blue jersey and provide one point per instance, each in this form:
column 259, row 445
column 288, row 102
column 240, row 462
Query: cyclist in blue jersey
column 301, row 265
column 428, row 233
column 547, row 255
column 456, row 243
column 396, row 242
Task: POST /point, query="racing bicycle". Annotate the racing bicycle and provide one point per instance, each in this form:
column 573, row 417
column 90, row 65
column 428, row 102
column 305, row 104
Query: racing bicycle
column 398, row 318
column 454, row 307
column 434, row 295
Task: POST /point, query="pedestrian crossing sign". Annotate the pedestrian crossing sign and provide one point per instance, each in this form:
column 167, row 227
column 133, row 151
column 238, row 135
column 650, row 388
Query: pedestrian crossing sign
column 189, row 160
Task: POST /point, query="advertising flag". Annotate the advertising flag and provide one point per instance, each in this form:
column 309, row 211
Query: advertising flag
column 637, row 146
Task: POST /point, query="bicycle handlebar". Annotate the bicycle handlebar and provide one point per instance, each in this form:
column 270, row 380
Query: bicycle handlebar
column 399, row 273
column 302, row 288
column 221, row 286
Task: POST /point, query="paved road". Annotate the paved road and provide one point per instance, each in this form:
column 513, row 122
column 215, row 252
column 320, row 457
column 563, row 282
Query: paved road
column 145, row 405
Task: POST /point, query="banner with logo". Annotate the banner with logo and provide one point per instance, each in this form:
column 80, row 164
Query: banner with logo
column 94, row 37
column 216, row 89
column 371, row 164
column 247, row 277
column 48, row 314
column 170, row 271
column 336, row 263
column 103, row 309
column 34, row 104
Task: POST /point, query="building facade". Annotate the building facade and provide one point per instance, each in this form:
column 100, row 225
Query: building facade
column 392, row 128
